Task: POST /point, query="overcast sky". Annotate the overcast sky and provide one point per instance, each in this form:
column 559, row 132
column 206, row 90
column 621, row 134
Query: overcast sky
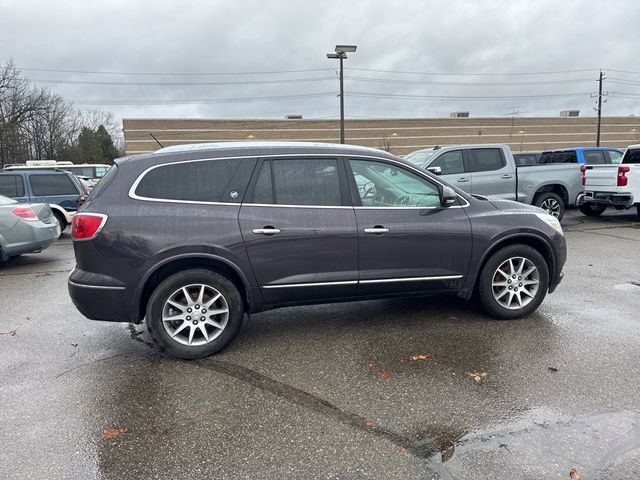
column 243, row 37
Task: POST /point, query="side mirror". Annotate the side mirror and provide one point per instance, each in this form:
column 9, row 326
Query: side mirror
column 435, row 170
column 449, row 196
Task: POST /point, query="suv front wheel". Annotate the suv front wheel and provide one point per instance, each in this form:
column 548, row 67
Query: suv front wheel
column 513, row 282
column 195, row 313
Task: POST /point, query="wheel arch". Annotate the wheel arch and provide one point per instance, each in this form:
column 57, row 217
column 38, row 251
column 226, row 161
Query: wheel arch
column 172, row 265
column 557, row 188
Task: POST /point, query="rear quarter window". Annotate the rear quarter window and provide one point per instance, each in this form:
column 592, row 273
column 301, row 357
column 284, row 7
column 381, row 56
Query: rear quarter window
column 48, row 185
column 11, row 186
column 221, row 180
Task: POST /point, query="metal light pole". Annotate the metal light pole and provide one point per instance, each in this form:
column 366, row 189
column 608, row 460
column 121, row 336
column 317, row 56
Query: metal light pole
column 341, row 54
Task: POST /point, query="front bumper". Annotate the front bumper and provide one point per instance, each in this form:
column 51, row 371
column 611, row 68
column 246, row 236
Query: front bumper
column 98, row 297
column 620, row 200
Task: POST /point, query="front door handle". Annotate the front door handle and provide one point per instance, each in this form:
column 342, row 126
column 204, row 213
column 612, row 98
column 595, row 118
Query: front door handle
column 463, row 179
column 268, row 230
column 378, row 229
column 506, row 176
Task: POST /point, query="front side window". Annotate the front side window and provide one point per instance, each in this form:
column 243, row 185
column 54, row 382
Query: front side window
column 11, row 186
column 199, row 181
column 419, row 158
column 382, row 185
column 594, row 157
column 451, row 162
column 485, row 159
column 313, row 181
column 52, row 185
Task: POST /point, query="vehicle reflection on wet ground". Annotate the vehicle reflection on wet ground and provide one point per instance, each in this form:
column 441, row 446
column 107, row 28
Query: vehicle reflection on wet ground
column 403, row 388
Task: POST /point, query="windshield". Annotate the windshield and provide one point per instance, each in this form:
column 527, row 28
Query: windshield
column 420, row 157
column 6, row 200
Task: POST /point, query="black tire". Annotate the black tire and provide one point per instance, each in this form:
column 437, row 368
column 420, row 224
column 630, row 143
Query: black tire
column 61, row 220
column 170, row 286
column 592, row 209
column 551, row 202
column 486, row 289
column 638, row 210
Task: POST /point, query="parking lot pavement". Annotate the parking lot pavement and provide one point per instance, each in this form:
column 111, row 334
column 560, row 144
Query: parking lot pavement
column 377, row 389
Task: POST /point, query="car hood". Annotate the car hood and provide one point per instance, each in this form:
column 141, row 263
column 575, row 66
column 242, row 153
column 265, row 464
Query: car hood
column 513, row 207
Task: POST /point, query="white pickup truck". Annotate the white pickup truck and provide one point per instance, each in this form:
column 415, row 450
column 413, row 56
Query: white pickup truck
column 615, row 186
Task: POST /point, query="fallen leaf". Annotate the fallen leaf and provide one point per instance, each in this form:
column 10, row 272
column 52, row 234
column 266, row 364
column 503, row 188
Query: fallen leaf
column 10, row 333
column 113, row 432
column 573, row 473
column 368, row 424
column 402, row 449
column 370, row 365
column 383, row 375
column 477, row 376
column 552, row 369
column 419, row 358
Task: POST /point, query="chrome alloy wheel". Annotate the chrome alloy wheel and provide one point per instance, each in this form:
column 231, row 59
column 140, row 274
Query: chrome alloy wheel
column 515, row 283
column 195, row 314
column 551, row 206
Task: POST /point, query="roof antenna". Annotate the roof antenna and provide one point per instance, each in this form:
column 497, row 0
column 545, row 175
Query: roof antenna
column 153, row 136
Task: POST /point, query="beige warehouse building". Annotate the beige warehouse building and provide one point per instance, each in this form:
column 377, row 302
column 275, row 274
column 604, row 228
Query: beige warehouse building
column 400, row 136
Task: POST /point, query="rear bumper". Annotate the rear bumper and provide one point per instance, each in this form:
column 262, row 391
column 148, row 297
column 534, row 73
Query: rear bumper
column 624, row 200
column 98, row 297
column 31, row 237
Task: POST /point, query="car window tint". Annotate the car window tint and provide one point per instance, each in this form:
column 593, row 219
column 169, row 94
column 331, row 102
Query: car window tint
column 632, row 155
column 11, row 186
column 49, row 185
column 383, row 185
column 306, row 182
column 203, row 181
column 485, row 159
column 614, row 156
column 525, row 159
column 418, row 158
column 450, row 162
column 263, row 189
column 594, row 157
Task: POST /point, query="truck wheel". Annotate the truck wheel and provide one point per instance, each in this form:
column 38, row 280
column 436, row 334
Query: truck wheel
column 194, row 313
column 638, row 210
column 592, row 209
column 551, row 202
column 61, row 220
column 513, row 282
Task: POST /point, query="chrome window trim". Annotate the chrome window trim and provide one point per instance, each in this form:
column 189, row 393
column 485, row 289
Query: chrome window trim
column 354, row 282
column 134, row 186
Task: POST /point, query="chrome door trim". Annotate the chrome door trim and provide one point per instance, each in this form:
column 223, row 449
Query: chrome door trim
column 353, row 282
column 316, row 284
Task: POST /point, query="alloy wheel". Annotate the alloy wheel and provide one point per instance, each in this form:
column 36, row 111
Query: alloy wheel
column 515, row 283
column 552, row 207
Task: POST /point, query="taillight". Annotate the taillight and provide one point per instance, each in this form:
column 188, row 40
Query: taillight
column 25, row 213
column 86, row 226
column 622, row 176
column 583, row 169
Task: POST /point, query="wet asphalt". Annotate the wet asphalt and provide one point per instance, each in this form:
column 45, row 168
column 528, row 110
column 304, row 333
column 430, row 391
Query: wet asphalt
column 376, row 389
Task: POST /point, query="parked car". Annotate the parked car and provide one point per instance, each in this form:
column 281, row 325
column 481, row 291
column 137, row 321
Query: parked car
column 615, row 186
column 192, row 237
column 527, row 159
column 583, row 155
column 60, row 189
column 25, row 228
column 94, row 171
column 491, row 170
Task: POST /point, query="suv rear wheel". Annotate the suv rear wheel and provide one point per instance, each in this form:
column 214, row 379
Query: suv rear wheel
column 513, row 282
column 551, row 202
column 195, row 313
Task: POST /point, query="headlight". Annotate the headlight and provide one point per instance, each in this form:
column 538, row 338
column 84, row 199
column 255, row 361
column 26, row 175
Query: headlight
column 552, row 221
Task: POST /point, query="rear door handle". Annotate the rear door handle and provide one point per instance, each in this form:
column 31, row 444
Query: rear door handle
column 506, row 175
column 378, row 229
column 268, row 230
column 462, row 179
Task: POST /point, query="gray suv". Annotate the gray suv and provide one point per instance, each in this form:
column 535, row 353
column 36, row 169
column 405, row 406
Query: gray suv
column 193, row 237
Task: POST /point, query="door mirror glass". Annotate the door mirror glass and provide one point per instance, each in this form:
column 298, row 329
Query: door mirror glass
column 435, row 170
column 449, row 196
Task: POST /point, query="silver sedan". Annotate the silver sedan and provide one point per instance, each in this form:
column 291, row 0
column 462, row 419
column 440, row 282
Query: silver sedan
column 25, row 228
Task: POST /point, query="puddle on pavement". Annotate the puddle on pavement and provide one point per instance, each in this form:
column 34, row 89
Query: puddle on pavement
column 543, row 444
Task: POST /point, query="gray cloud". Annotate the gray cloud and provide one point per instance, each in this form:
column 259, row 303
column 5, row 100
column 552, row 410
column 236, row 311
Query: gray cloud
column 248, row 36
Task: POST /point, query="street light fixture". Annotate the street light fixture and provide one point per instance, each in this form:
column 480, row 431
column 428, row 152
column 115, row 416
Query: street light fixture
column 341, row 54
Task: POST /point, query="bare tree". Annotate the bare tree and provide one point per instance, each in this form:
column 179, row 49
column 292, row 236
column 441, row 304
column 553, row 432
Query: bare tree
column 53, row 128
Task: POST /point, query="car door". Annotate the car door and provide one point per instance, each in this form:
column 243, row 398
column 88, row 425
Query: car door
column 490, row 173
column 299, row 230
column 407, row 242
column 452, row 169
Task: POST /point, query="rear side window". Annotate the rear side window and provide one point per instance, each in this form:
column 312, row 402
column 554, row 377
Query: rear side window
column 631, row 156
column 594, row 157
column 50, row 185
column 313, row 181
column 615, row 157
column 485, row 159
column 11, row 186
column 559, row 157
column 450, row 162
column 197, row 181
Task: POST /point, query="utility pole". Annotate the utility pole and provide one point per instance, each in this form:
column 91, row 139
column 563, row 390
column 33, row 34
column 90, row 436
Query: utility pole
column 341, row 54
column 599, row 109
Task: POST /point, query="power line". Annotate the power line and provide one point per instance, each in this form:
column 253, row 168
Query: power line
column 471, row 98
column 472, row 74
column 181, row 84
column 200, row 100
column 470, row 84
column 97, row 72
